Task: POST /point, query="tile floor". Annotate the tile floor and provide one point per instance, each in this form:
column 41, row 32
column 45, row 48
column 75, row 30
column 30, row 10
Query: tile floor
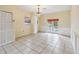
column 41, row 43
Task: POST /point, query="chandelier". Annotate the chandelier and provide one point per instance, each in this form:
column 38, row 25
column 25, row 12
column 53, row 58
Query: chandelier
column 38, row 9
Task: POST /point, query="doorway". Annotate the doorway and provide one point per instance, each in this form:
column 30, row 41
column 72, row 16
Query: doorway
column 6, row 28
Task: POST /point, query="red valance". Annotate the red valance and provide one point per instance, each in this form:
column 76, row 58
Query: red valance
column 50, row 20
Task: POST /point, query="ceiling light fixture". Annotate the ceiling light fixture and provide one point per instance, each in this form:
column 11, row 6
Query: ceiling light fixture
column 38, row 9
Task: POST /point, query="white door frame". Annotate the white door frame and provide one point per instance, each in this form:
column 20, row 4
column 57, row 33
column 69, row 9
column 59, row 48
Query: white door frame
column 35, row 24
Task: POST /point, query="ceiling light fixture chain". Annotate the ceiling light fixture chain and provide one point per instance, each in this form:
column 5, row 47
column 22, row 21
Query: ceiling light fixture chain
column 38, row 7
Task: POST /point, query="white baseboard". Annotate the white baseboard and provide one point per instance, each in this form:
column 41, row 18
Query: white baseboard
column 7, row 43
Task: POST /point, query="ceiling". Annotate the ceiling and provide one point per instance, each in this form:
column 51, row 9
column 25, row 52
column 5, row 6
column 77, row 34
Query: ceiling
column 46, row 8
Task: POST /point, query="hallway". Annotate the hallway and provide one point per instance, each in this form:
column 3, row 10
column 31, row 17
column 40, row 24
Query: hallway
column 41, row 43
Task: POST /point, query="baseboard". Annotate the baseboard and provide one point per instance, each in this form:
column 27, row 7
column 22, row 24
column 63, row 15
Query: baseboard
column 7, row 43
column 22, row 36
column 55, row 33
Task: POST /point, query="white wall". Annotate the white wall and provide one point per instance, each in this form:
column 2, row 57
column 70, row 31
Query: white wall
column 75, row 27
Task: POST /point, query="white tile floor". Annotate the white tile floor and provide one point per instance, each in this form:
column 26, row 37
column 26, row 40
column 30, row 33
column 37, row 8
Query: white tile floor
column 41, row 43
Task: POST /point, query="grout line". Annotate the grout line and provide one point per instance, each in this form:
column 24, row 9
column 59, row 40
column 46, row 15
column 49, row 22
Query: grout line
column 17, row 49
column 4, row 50
column 30, row 48
column 54, row 47
column 26, row 46
column 43, row 50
